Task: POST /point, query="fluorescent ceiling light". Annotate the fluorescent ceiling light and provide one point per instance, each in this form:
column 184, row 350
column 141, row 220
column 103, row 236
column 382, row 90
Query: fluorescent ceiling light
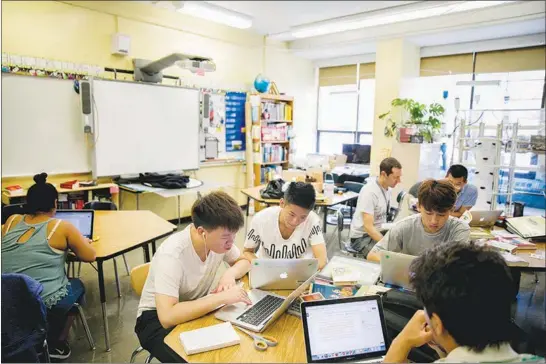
column 389, row 16
column 479, row 83
column 215, row 13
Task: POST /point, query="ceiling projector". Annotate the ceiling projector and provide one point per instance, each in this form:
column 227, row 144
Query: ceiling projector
column 148, row 71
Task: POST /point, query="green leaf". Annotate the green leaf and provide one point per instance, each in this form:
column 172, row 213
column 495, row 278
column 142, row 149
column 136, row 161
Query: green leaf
column 383, row 115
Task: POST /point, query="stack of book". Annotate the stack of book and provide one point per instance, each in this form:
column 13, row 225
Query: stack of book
column 14, row 191
column 527, row 226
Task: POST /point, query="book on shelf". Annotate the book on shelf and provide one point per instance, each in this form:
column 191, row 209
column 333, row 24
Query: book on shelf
column 70, row 185
column 274, row 153
column 14, row 190
column 276, row 111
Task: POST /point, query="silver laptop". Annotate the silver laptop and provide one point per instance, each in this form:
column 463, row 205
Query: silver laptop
column 484, row 218
column 271, row 274
column 81, row 219
column 395, row 269
column 345, row 330
column 265, row 309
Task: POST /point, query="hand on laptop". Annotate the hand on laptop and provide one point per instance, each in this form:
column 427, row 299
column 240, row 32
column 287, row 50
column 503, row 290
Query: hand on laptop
column 235, row 294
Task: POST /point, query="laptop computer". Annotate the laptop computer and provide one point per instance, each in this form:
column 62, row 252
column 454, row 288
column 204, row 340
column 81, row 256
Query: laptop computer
column 345, row 330
column 484, row 218
column 271, row 274
column 395, row 269
column 265, row 309
column 81, row 219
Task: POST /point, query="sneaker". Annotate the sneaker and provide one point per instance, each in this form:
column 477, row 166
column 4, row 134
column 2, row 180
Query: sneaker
column 60, row 351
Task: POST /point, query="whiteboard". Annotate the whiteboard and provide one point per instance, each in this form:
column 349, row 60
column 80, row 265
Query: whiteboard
column 42, row 128
column 144, row 128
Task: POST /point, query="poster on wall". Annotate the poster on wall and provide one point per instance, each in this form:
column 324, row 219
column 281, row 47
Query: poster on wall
column 235, row 121
column 214, row 123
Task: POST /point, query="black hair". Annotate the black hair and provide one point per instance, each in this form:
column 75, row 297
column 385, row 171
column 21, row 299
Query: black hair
column 301, row 194
column 458, row 171
column 439, row 196
column 388, row 164
column 217, row 209
column 470, row 289
column 41, row 196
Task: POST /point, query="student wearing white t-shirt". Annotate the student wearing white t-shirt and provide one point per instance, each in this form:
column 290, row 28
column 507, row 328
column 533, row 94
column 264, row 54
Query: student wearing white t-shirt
column 183, row 269
column 289, row 231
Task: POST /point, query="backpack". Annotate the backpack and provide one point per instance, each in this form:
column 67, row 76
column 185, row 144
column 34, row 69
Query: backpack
column 273, row 190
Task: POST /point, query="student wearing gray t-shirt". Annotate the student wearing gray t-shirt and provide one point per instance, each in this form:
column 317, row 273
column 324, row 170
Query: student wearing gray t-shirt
column 372, row 207
column 432, row 226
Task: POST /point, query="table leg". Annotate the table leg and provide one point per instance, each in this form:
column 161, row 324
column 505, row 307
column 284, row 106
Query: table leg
column 153, row 248
column 146, row 253
column 178, row 208
column 137, row 200
column 117, row 277
column 324, row 222
column 103, row 304
column 351, row 209
column 247, row 207
column 120, row 199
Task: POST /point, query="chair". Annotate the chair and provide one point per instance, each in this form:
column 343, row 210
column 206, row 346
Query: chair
column 344, row 246
column 345, row 209
column 395, row 211
column 24, row 320
column 14, row 209
column 138, row 278
column 100, row 206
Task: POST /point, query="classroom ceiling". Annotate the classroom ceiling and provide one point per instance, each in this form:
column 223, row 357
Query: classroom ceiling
column 275, row 17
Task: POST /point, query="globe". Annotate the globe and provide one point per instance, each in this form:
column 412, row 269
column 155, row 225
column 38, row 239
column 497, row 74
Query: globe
column 261, row 83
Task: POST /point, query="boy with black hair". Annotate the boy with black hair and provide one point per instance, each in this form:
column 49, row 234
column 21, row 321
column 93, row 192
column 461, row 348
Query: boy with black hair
column 373, row 206
column 289, row 231
column 183, row 269
column 466, row 294
column 467, row 194
column 432, row 226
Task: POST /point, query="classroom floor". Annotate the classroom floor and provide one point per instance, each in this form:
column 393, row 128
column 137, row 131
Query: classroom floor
column 529, row 311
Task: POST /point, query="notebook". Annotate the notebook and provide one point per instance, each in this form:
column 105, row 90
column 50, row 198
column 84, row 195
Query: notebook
column 209, row 338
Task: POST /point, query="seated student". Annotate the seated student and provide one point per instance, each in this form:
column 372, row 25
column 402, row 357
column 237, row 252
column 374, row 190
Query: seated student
column 432, row 226
column 289, row 231
column 467, row 194
column 183, row 269
column 36, row 245
column 373, row 206
column 466, row 294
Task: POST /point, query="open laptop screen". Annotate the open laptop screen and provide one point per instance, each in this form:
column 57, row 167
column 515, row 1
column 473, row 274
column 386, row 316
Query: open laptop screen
column 81, row 219
column 343, row 330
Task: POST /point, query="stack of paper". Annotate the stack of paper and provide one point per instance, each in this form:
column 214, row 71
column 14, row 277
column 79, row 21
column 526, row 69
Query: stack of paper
column 345, row 276
column 527, row 226
column 368, row 271
column 514, row 260
column 209, row 338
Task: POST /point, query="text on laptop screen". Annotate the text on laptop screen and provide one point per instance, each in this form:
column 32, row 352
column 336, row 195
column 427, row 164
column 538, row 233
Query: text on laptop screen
column 344, row 329
column 81, row 220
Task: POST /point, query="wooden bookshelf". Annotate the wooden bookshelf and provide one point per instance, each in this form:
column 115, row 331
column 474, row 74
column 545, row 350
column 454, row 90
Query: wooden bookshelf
column 271, row 135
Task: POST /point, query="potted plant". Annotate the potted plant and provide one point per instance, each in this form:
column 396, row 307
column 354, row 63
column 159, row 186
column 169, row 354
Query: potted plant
column 416, row 119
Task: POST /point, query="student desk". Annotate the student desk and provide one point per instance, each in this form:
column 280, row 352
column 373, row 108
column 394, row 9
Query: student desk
column 288, row 330
column 534, row 263
column 120, row 232
column 254, row 194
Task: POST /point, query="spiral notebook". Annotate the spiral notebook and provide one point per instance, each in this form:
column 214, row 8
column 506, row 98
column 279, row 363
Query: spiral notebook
column 209, row 338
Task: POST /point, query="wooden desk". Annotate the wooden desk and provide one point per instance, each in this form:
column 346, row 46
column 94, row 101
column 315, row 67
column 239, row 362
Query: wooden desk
column 6, row 198
column 254, row 194
column 288, row 330
column 120, row 232
column 534, row 263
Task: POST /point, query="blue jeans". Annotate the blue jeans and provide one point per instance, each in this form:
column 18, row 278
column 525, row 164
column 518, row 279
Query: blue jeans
column 58, row 314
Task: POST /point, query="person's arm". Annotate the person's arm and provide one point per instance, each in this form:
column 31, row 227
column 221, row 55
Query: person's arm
column 369, row 227
column 317, row 242
column 239, row 266
column 460, row 211
column 252, row 239
column 171, row 312
column 374, row 254
column 392, row 241
column 413, row 335
column 78, row 243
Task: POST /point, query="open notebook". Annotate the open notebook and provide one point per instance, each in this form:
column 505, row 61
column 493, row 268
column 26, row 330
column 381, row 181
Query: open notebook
column 209, row 338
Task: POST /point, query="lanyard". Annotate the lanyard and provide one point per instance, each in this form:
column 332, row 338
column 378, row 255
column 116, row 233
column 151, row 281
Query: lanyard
column 384, row 196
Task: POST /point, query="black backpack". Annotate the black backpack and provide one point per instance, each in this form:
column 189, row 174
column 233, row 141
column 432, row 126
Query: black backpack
column 273, row 190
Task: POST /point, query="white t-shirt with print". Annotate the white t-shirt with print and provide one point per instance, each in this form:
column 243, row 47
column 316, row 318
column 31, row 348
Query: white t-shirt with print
column 177, row 271
column 264, row 232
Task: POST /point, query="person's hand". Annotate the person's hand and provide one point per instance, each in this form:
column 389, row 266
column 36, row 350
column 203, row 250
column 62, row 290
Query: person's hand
column 235, row 294
column 226, row 282
column 416, row 333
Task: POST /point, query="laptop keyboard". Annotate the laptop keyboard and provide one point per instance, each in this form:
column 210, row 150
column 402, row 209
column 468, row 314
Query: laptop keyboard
column 261, row 310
